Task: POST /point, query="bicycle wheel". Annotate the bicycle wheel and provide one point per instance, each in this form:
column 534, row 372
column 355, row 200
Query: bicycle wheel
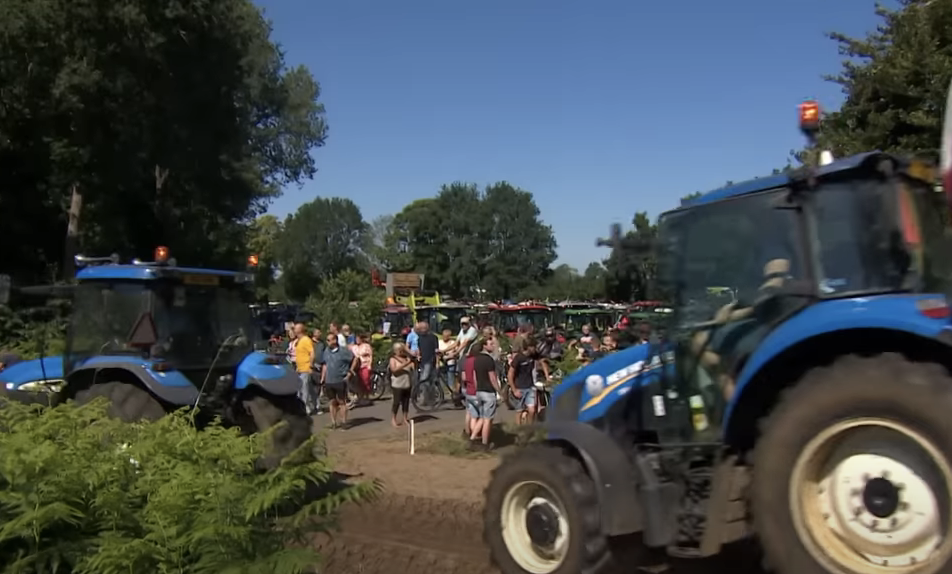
column 379, row 383
column 427, row 397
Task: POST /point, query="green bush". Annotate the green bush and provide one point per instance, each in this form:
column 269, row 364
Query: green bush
column 81, row 493
column 34, row 331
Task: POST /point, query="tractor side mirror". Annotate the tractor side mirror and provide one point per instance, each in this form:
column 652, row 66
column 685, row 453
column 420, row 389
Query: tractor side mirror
column 4, row 289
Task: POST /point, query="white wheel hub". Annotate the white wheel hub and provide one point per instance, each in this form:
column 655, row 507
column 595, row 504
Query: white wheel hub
column 872, row 496
column 534, row 527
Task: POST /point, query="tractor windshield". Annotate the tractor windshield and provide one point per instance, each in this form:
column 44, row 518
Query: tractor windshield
column 745, row 245
column 103, row 318
column 193, row 321
column 924, row 216
column 510, row 321
column 858, row 238
column 184, row 324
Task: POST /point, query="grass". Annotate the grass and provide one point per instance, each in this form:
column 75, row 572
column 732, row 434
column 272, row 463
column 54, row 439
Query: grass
column 503, row 436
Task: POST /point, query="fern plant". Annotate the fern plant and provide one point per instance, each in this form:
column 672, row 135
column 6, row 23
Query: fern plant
column 81, row 493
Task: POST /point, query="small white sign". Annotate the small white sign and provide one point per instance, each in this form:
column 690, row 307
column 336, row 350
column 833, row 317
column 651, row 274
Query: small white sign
column 658, row 402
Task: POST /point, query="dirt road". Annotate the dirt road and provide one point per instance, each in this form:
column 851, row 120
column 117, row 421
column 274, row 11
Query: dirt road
column 430, row 517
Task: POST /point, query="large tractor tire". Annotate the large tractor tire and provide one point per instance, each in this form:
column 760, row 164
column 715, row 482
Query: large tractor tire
column 265, row 411
column 853, row 471
column 541, row 516
column 127, row 402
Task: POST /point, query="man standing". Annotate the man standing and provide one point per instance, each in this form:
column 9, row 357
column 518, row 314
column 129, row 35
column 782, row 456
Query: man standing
column 521, row 383
column 304, row 362
column 487, row 385
column 338, row 368
column 413, row 340
column 428, row 344
column 333, row 330
column 466, row 337
column 317, row 337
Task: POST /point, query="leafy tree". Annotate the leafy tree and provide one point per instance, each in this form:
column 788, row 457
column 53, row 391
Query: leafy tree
column 323, row 238
column 263, row 235
column 520, row 247
column 82, row 493
column 168, row 123
column 465, row 240
column 895, row 81
column 348, row 297
column 565, row 282
column 631, row 267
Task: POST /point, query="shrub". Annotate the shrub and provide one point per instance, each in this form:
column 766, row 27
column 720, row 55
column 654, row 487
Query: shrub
column 81, row 493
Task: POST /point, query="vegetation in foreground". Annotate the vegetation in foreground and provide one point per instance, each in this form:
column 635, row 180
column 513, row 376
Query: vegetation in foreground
column 81, row 493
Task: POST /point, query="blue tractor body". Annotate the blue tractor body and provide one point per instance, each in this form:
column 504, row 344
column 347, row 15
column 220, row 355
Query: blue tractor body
column 839, row 331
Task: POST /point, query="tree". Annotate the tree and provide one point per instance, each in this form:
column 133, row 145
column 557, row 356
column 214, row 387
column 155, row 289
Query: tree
column 173, row 123
column 348, row 298
column 520, row 247
column 630, row 268
column 263, row 235
column 895, row 81
column 464, row 239
column 376, row 249
column 323, row 238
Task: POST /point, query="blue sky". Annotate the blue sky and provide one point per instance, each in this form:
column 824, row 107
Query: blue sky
column 599, row 108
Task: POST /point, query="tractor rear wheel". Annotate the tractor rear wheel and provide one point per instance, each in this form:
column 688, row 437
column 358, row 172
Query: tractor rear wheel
column 267, row 410
column 542, row 517
column 853, row 471
column 127, row 402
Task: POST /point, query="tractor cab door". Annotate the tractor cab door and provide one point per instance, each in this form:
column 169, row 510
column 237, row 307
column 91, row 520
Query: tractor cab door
column 751, row 243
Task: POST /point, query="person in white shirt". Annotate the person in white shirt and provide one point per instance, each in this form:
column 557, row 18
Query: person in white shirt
column 448, row 351
column 466, row 337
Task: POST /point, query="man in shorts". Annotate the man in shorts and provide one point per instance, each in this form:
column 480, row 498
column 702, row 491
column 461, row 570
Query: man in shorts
column 522, row 381
column 339, row 365
column 468, row 378
column 487, row 385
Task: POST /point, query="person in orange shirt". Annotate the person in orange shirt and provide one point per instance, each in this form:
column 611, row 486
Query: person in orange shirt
column 304, row 362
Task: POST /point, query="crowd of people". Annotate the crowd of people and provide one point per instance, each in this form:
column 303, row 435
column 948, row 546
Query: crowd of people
column 469, row 362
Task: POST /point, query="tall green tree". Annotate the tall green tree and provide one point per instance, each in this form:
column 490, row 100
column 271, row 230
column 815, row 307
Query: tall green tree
column 323, row 238
column 263, row 236
column 169, row 123
column 895, row 81
column 467, row 240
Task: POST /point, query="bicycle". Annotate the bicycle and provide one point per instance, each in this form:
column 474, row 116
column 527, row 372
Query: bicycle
column 430, row 395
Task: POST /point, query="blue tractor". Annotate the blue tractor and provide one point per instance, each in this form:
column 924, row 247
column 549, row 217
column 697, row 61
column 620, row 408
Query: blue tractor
column 152, row 337
column 813, row 414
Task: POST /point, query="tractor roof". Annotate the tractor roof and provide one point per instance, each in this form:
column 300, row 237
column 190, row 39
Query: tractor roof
column 150, row 272
column 778, row 180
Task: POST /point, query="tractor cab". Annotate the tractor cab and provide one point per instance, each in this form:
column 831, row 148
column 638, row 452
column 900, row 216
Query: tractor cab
column 443, row 316
column 507, row 318
column 599, row 319
column 397, row 320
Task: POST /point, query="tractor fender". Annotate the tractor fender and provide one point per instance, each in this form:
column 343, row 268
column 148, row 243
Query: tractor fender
column 260, row 370
column 170, row 386
column 611, row 470
column 890, row 312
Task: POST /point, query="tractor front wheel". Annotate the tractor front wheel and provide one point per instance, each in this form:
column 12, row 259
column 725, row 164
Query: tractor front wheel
column 127, row 402
column 542, row 516
column 853, row 471
column 265, row 411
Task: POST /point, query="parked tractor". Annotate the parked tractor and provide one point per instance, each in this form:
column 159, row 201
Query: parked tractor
column 812, row 412
column 152, row 337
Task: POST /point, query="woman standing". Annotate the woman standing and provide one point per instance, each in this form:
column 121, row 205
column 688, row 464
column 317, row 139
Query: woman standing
column 364, row 352
column 401, row 366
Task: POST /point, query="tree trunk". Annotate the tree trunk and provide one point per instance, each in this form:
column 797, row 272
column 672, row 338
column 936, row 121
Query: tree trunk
column 72, row 232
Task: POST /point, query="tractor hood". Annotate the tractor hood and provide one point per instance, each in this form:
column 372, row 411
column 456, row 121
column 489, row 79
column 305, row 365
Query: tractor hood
column 46, row 369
